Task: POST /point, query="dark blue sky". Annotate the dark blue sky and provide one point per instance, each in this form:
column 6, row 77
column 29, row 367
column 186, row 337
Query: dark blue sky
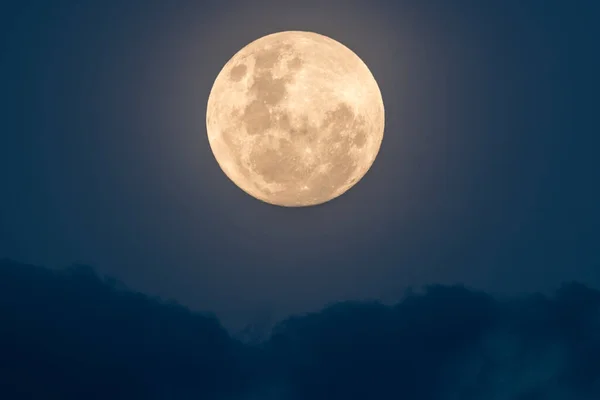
column 487, row 173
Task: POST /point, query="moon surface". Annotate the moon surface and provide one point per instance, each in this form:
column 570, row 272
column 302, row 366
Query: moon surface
column 295, row 119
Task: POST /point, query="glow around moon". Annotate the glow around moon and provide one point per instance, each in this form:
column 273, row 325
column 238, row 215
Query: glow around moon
column 295, row 119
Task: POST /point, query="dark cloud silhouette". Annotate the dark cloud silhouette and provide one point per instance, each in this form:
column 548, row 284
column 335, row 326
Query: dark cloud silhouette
column 71, row 334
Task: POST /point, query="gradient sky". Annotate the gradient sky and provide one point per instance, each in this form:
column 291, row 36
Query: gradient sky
column 486, row 176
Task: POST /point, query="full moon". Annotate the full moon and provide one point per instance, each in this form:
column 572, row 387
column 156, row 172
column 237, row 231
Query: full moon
column 295, row 119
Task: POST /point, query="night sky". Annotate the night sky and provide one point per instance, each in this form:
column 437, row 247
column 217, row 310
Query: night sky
column 487, row 176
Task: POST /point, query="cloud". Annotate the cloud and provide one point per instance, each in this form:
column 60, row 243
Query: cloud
column 71, row 334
